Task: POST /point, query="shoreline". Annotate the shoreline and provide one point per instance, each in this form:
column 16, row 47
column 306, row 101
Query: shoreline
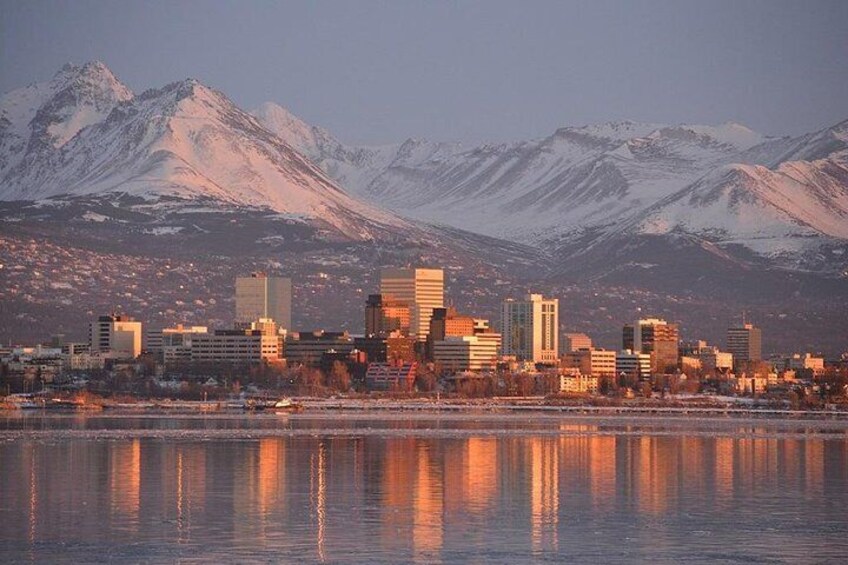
column 673, row 410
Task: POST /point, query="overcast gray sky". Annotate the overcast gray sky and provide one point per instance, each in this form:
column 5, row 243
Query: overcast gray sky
column 469, row 71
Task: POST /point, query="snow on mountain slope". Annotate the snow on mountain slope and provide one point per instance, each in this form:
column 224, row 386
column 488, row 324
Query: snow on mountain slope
column 47, row 115
column 783, row 214
column 528, row 191
column 185, row 140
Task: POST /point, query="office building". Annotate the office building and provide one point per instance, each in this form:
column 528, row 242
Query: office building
column 307, row 348
column 421, row 289
column 386, row 315
column 118, row 336
column 712, row 359
column 629, row 363
column 806, row 362
column 173, row 344
column 260, row 296
column 575, row 341
column 596, row 362
column 468, row 352
column 446, row 323
column 745, row 342
column 394, row 348
column 530, row 329
column 657, row 338
column 256, row 344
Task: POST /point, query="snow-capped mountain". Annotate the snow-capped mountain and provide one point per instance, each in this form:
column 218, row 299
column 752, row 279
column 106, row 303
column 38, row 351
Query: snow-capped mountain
column 784, row 212
column 576, row 178
column 778, row 197
column 85, row 133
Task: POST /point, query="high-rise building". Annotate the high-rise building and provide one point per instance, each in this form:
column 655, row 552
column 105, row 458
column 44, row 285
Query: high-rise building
column 422, row 289
column 575, row 342
column 117, row 335
column 530, row 328
column 745, row 342
column 260, row 296
column 384, row 315
column 655, row 337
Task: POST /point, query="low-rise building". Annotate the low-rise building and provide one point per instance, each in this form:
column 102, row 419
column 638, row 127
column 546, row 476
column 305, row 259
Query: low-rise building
column 467, row 353
column 575, row 341
column 578, row 383
column 807, row 361
column 636, row 364
column 596, row 362
column 386, row 376
column 257, row 344
column 714, row 360
column 307, row 348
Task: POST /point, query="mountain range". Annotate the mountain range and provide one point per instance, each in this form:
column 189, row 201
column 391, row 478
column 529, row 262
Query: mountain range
column 683, row 210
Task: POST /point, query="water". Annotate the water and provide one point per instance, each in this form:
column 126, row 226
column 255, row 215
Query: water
column 430, row 489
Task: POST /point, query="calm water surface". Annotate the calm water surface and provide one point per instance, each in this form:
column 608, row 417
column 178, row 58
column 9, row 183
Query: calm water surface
column 429, row 489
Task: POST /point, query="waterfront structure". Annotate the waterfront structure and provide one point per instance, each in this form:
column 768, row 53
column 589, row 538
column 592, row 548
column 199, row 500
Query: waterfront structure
column 575, row 341
column 745, row 342
column 655, row 337
column 421, row 289
column 467, row 352
column 628, row 362
column 385, row 315
column 307, row 348
column 117, row 336
column 530, row 329
column 260, row 296
column 597, row 362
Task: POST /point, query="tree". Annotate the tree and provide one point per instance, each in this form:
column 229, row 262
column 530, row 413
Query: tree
column 340, row 377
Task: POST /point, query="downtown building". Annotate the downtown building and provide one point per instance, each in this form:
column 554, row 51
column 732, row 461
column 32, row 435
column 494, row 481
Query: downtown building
column 462, row 343
column 262, row 297
column 260, row 343
column 530, row 329
column 385, row 315
column 421, row 289
column 575, row 342
column 655, row 337
column 745, row 342
column 172, row 344
column 310, row 348
column 115, row 336
column 630, row 363
column 594, row 362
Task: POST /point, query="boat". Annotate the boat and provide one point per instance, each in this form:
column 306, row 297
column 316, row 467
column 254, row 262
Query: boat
column 23, row 401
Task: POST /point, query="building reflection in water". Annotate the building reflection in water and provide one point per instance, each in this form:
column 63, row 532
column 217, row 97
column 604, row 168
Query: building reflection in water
column 125, row 481
column 318, row 497
column 428, row 509
column 544, row 494
column 413, row 497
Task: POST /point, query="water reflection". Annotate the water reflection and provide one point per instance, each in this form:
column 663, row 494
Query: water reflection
column 426, row 499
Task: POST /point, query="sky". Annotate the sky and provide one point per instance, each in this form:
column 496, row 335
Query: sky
column 380, row 72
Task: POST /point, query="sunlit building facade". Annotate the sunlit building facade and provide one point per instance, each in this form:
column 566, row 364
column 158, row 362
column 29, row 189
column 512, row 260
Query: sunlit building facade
column 530, row 329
